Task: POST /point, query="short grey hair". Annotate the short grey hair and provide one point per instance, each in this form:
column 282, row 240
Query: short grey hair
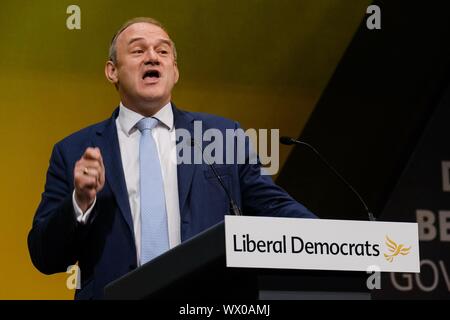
column 112, row 48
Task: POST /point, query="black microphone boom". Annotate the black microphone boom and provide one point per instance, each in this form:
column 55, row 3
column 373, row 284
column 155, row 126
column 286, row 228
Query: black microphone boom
column 291, row 141
column 234, row 208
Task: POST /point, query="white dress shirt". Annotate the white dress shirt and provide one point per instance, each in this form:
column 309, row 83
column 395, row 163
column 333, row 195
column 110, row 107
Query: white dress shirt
column 129, row 138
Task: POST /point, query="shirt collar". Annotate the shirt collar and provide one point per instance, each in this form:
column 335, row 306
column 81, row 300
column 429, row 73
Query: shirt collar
column 128, row 118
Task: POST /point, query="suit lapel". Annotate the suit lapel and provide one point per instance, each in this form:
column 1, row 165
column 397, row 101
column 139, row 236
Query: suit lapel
column 108, row 142
column 183, row 120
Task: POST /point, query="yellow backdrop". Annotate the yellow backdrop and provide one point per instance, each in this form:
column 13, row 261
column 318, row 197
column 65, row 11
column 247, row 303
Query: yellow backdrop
column 261, row 62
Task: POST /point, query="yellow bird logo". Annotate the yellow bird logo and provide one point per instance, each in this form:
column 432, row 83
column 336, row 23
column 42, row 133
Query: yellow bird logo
column 395, row 249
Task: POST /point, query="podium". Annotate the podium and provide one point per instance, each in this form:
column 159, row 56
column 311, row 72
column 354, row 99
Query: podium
column 196, row 271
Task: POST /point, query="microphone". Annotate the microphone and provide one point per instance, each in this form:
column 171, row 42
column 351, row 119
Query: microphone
column 234, row 208
column 291, row 141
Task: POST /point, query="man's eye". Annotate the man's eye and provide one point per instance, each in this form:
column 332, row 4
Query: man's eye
column 138, row 51
column 163, row 52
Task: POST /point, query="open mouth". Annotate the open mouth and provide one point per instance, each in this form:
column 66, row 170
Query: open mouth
column 152, row 74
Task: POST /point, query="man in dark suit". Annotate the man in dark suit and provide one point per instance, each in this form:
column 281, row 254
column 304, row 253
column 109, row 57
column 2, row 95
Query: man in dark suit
column 115, row 196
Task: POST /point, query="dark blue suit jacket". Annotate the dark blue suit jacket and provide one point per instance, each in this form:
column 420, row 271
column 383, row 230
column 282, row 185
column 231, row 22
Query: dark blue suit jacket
column 105, row 247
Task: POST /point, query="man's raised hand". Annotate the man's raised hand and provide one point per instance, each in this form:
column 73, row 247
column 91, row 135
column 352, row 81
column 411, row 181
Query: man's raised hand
column 89, row 177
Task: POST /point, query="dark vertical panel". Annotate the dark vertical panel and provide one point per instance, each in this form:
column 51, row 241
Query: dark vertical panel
column 373, row 111
column 421, row 188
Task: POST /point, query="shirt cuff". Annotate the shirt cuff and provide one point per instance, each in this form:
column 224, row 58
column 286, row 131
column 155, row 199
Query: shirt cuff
column 79, row 215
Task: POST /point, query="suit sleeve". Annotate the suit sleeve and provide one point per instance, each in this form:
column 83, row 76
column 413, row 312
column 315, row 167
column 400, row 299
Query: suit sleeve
column 261, row 196
column 54, row 239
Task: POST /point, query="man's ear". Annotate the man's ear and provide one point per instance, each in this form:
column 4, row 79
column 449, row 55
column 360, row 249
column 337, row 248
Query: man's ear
column 111, row 72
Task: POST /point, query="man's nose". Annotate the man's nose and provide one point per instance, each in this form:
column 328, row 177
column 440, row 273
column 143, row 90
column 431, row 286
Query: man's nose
column 151, row 57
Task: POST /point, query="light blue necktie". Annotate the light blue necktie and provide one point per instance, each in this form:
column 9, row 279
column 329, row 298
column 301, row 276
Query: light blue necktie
column 154, row 231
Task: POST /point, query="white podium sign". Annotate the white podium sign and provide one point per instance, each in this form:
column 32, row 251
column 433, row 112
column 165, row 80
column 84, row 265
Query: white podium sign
column 319, row 244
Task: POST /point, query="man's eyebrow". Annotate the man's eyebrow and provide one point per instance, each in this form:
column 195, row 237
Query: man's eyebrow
column 165, row 41
column 134, row 40
column 160, row 41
